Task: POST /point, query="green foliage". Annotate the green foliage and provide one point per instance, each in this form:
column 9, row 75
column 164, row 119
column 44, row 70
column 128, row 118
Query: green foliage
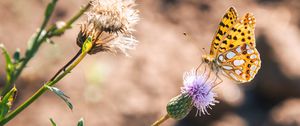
column 62, row 95
column 41, row 35
column 12, row 70
column 6, row 102
column 32, row 44
column 50, row 8
column 16, row 63
column 80, row 122
column 52, row 122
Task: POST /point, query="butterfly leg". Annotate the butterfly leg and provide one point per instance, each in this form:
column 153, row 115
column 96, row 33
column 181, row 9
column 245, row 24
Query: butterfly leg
column 214, row 80
column 207, row 75
column 219, row 78
column 199, row 66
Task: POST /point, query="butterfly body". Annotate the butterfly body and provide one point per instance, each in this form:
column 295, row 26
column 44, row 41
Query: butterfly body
column 233, row 49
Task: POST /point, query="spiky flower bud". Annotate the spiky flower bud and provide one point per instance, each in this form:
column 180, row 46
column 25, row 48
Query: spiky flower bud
column 197, row 91
column 179, row 106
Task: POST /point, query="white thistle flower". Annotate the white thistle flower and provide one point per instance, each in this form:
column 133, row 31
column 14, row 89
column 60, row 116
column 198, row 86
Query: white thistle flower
column 123, row 43
column 113, row 15
column 110, row 23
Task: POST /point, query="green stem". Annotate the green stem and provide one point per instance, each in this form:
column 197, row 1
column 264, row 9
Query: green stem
column 42, row 90
column 67, row 65
column 30, row 53
column 161, row 120
column 86, row 47
column 68, row 70
column 52, row 31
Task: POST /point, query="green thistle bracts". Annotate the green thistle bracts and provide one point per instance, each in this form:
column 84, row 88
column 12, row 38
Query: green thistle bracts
column 179, row 106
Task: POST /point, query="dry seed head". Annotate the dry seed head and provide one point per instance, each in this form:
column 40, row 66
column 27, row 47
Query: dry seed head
column 110, row 24
column 106, row 41
column 113, row 15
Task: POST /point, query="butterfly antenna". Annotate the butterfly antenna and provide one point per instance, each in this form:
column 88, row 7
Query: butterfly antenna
column 188, row 37
column 204, row 51
column 199, row 66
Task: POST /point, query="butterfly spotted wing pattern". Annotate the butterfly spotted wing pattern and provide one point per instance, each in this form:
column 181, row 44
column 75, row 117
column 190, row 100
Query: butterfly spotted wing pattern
column 236, row 54
column 240, row 63
column 242, row 32
column 226, row 23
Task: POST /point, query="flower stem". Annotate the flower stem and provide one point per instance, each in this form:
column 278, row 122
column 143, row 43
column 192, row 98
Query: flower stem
column 43, row 89
column 161, row 120
column 66, row 66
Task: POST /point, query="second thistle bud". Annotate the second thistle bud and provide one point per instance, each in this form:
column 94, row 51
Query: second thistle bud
column 179, row 106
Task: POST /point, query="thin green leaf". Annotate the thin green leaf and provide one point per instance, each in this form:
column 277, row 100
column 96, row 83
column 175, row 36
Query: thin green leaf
column 80, row 122
column 52, row 122
column 4, row 110
column 37, row 38
column 32, row 42
column 9, row 64
column 9, row 68
column 50, row 8
column 6, row 102
column 61, row 95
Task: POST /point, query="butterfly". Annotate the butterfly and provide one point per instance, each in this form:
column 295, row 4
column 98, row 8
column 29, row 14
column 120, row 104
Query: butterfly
column 233, row 48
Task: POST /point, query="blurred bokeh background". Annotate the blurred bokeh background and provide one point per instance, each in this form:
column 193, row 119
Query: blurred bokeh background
column 115, row 90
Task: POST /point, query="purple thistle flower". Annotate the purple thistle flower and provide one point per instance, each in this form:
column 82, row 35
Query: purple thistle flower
column 199, row 87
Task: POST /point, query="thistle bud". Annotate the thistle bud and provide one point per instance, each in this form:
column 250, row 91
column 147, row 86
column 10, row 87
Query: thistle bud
column 179, row 106
column 199, row 88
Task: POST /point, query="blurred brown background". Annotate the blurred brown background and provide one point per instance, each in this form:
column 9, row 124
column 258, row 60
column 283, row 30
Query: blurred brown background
column 114, row 90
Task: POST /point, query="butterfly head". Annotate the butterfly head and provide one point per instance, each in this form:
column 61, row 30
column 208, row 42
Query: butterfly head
column 207, row 59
